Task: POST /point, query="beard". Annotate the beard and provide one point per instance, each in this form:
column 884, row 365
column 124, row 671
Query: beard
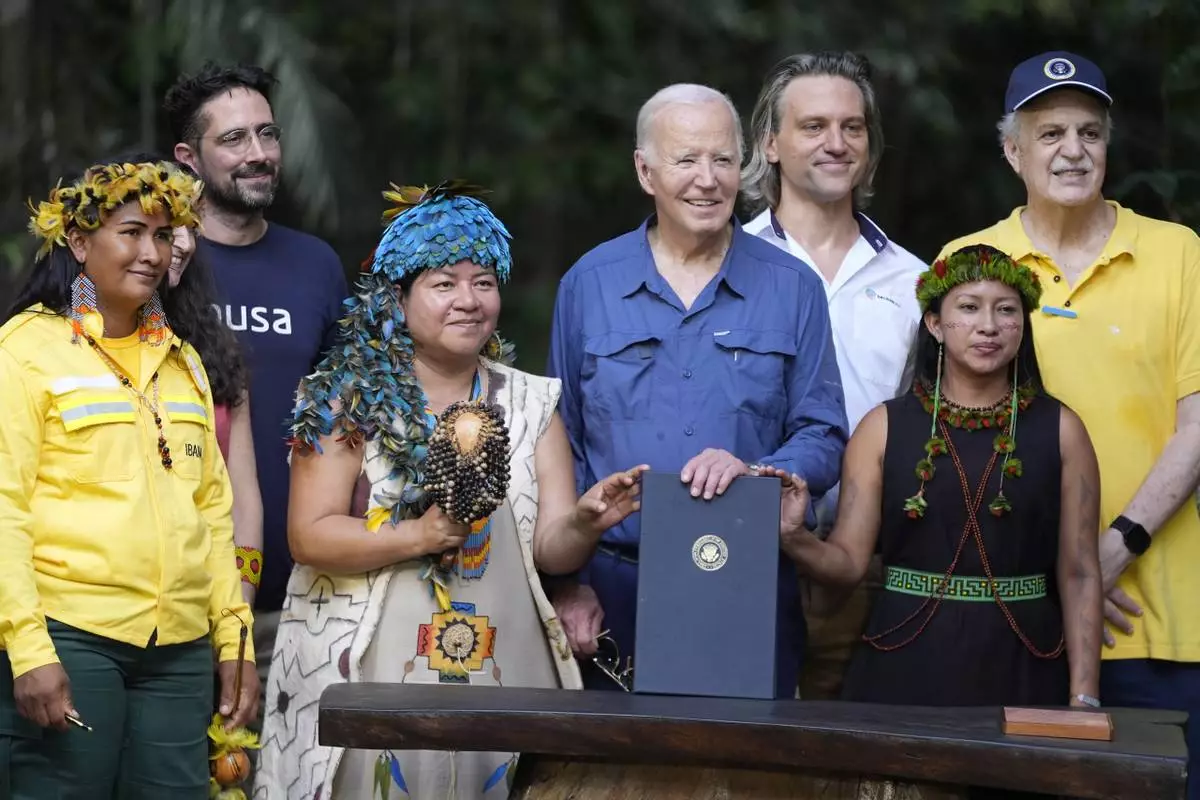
column 241, row 198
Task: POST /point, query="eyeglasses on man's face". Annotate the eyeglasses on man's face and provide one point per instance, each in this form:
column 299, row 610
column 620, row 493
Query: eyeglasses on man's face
column 237, row 141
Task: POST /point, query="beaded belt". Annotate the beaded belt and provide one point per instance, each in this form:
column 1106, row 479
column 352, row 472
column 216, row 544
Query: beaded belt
column 963, row 587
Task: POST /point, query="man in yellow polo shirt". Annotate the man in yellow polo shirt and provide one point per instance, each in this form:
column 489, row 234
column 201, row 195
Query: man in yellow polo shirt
column 1118, row 340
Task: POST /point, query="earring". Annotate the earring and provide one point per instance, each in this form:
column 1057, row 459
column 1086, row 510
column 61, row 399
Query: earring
column 498, row 350
column 83, row 314
column 914, row 507
column 937, row 386
column 152, row 322
column 1006, row 444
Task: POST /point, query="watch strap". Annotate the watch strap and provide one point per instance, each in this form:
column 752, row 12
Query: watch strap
column 1137, row 540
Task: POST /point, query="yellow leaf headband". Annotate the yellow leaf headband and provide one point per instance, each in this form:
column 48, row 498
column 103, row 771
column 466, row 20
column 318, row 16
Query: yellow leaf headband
column 156, row 186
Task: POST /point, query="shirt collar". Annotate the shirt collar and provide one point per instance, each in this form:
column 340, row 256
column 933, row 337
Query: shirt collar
column 867, row 229
column 871, row 232
column 642, row 271
column 1123, row 239
column 1013, row 239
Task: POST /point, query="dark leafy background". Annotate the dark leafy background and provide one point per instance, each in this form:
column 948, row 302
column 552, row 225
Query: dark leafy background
column 536, row 99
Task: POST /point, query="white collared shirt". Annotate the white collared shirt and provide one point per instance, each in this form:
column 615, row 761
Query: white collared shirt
column 872, row 308
column 874, row 314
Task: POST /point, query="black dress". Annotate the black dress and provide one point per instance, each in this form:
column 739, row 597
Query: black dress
column 968, row 653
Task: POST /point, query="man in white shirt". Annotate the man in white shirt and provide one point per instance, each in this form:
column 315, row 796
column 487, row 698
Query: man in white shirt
column 817, row 141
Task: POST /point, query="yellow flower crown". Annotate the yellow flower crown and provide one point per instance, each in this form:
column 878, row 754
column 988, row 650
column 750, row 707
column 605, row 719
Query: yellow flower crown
column 104, row 188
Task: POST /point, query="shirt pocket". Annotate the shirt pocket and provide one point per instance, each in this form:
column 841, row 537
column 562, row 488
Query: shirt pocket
column 617, row 375
column 883, row 336
column 187, row 434
column 100, row 438
column 754, row 370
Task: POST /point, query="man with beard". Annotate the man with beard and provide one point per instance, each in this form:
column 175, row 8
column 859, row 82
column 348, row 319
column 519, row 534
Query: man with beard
column 692, row 346
column 281, row 290
column 1118, row 340
column 817, row 140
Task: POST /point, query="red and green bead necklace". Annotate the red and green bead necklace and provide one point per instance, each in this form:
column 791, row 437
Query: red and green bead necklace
column 1001, row 417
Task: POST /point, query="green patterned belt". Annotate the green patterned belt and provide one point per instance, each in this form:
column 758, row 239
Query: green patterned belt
column 962, row 587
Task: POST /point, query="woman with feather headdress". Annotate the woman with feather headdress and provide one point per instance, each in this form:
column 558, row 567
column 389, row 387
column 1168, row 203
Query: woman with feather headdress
column 431, row 482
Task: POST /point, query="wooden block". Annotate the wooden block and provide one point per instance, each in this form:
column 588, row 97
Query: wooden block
column 1058, row 723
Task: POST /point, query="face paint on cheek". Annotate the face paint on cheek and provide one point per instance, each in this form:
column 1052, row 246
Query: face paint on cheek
column 1010, row 326
column 954, row 325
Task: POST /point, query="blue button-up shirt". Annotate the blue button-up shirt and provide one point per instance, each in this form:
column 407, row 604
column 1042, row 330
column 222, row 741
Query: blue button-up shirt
column 749, row 368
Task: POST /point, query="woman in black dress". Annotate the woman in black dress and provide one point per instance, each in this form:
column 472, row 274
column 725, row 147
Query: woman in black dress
column 992, row 585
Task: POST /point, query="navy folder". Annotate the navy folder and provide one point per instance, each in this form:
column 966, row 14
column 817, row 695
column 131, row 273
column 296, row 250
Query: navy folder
column 708, row 576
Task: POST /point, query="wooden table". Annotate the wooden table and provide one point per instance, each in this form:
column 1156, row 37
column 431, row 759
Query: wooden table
column 751, row 748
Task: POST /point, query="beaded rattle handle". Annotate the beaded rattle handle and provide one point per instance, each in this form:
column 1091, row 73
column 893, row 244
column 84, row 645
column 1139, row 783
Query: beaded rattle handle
column 456, row 437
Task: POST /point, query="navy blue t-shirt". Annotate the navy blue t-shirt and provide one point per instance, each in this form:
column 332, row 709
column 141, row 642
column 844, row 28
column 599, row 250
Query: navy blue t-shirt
column 283, row 297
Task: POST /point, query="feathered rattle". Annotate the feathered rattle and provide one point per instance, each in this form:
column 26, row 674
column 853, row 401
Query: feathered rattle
column 466, row 465
column 230, row 765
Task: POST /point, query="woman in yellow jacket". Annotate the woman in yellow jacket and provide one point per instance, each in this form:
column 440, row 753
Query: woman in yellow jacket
column 117, row 574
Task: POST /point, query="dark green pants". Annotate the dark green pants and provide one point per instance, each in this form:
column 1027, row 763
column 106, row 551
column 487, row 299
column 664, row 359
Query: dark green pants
column 149, row 709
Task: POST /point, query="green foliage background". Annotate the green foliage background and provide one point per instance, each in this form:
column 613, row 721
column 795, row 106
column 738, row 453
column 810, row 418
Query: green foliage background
column 536, row 99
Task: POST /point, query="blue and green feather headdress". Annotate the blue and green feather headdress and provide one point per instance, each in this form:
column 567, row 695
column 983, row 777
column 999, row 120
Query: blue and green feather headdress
column 364, row 388
column 437, row 227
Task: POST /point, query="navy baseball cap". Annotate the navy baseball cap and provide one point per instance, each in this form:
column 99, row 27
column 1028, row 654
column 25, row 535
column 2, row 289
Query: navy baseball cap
column 1054, row 70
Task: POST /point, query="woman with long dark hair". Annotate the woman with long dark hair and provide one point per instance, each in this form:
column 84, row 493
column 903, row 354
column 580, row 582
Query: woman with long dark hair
column 189, row 289
column 222, row 358
column 117, row 575
column 981, row 493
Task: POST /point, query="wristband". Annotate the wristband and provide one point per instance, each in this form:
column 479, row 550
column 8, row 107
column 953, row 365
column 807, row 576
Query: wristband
column 249, row 562
column 1088, row 700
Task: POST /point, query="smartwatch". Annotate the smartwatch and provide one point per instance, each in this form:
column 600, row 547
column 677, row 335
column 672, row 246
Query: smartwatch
column 1137, row 541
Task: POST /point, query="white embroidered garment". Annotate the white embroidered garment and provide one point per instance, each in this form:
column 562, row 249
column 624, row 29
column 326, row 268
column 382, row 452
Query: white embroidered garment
column 491, row 636
column 328, row 621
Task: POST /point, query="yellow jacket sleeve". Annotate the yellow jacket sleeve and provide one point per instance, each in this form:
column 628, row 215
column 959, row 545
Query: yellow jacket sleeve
column 214, row 499
column 22, row 621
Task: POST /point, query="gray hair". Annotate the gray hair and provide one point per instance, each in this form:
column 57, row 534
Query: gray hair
column 1009, row 126
column 683, row 94
column 760, row 178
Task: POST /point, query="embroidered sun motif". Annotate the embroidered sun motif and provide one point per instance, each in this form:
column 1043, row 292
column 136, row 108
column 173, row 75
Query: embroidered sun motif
column 456, row 642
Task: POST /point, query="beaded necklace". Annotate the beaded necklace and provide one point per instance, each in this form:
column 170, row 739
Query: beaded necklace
column 164, row 452
column 1001, row 416
column 973, row 418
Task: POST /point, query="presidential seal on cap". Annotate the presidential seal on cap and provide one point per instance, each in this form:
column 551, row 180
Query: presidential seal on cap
column 1055, row 70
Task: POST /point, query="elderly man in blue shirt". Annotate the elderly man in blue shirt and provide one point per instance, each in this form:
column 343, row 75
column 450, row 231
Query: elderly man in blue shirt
column 691, row 345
